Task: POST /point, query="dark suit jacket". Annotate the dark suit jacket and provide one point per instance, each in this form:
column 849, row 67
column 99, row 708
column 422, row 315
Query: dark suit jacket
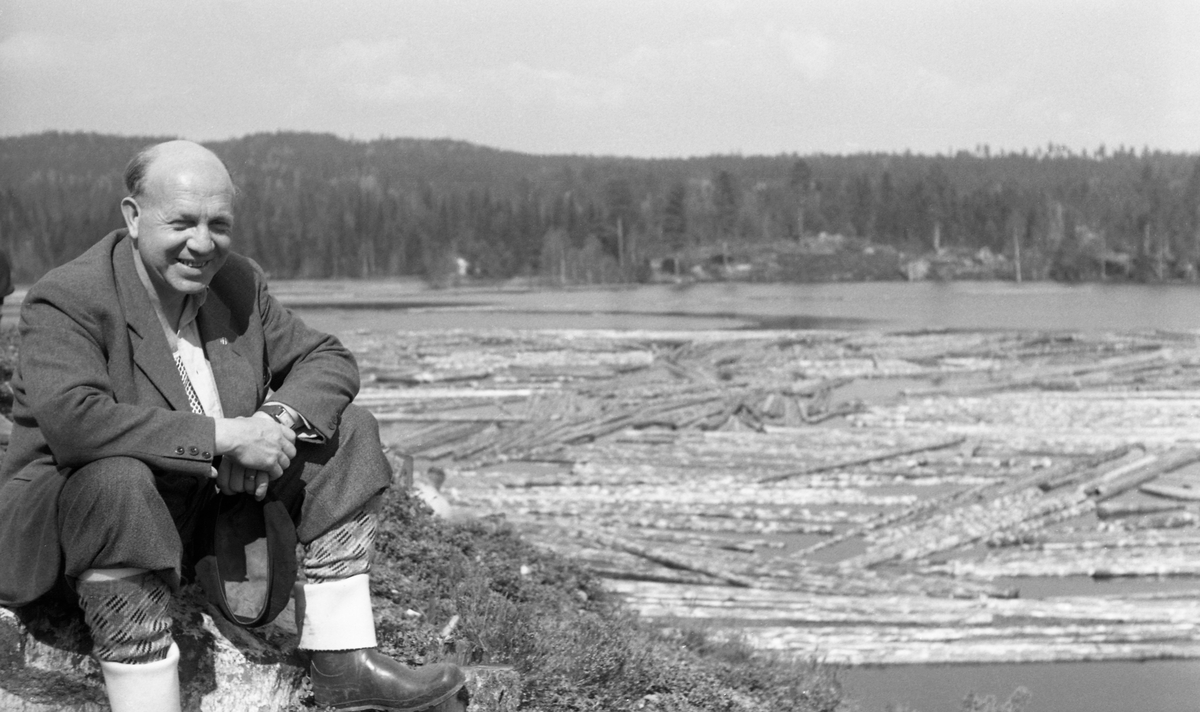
column 96, row 379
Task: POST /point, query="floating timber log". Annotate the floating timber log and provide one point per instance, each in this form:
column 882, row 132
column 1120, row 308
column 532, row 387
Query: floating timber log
column 941, row 445
column 846, row 494
column 1183, row 561
column 450, row 418
column 1110, row 510
column 1182, row 493
column 667, row 559
column 1143, row 473
column 1071, row 472
column 899, row 629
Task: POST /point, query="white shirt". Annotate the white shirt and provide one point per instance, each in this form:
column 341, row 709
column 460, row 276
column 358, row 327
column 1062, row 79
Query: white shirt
column 186, row 347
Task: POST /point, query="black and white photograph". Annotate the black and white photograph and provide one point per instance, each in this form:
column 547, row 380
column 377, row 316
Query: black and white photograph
column 600, row 355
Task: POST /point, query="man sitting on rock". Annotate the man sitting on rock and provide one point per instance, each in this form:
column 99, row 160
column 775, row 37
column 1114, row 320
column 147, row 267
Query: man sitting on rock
column 156, row 373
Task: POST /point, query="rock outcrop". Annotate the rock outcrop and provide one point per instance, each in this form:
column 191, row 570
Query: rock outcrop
column 45, row 666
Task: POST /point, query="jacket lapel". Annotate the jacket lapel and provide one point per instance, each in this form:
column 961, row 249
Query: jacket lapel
column 151, row 352
column 236, row 382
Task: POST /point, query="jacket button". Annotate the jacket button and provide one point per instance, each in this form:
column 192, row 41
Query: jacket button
column 206, row 455
column 194, row 450
column 179, row 450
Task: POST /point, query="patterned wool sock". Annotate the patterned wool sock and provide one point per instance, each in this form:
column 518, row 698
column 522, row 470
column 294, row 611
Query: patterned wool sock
column 343, row 551
column 128, row 617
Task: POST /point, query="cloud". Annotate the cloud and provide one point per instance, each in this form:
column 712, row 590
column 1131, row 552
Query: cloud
column 401, row 88
column 27, row 51
column 680, row 77
column 810, row 54
column 376, row 72
column 529, row 85
column 922, row 84
column 362, row 56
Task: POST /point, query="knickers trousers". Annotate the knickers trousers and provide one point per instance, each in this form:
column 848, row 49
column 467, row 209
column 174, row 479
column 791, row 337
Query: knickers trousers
column 118, row 513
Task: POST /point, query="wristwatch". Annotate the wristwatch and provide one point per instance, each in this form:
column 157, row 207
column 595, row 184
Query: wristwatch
column 280, row 414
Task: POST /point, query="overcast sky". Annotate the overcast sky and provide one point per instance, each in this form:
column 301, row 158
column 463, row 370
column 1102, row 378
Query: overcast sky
column 626, row 77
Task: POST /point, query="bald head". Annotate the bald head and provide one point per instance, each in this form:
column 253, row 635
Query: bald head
column 168, row 159
column 179, row 214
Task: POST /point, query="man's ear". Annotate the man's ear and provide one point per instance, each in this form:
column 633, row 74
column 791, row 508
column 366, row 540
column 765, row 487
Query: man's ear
column 131, row 211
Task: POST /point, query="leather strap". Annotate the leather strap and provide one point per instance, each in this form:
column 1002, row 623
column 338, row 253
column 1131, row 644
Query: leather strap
column 234, row 526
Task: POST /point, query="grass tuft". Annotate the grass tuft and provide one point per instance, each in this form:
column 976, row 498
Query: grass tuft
column 574, row 645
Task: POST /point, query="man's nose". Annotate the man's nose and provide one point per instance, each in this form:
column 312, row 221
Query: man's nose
column 201, row 240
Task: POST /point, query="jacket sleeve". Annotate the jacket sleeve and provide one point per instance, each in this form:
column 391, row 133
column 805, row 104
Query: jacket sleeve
column 66, row 387
column 309, row 370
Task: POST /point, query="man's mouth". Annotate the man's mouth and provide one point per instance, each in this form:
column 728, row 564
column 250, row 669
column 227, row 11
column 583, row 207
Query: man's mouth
column 194, row 264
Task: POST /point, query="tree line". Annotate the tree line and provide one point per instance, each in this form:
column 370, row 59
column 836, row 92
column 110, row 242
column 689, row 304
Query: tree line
column 319, row 206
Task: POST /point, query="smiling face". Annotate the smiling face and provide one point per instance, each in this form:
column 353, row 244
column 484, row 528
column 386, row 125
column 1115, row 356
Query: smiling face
column 181, row 220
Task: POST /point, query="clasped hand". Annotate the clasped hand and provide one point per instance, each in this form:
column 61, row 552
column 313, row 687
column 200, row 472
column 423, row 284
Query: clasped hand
column 254, row 452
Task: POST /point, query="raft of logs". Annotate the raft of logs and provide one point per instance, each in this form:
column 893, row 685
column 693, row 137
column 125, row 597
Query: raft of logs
column 862, row 497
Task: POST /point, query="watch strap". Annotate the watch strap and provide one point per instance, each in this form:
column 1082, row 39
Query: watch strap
column 279, row 414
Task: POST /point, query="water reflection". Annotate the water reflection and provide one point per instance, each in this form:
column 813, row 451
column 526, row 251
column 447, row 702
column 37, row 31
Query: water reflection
column 893, row 306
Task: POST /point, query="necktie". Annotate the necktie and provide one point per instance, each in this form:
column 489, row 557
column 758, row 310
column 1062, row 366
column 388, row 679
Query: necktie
column 187, row 386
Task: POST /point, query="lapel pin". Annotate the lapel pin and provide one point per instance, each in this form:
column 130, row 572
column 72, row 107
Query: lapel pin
column 224, row 341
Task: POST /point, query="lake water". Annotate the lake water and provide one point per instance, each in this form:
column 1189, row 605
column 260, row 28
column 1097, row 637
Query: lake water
column 1160, row 686
column 889, row 306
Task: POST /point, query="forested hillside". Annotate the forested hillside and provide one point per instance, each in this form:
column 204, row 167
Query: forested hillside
column 314, row 205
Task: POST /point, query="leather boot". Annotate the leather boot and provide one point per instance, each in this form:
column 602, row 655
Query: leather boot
column 366, row 679
column 337, row 628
